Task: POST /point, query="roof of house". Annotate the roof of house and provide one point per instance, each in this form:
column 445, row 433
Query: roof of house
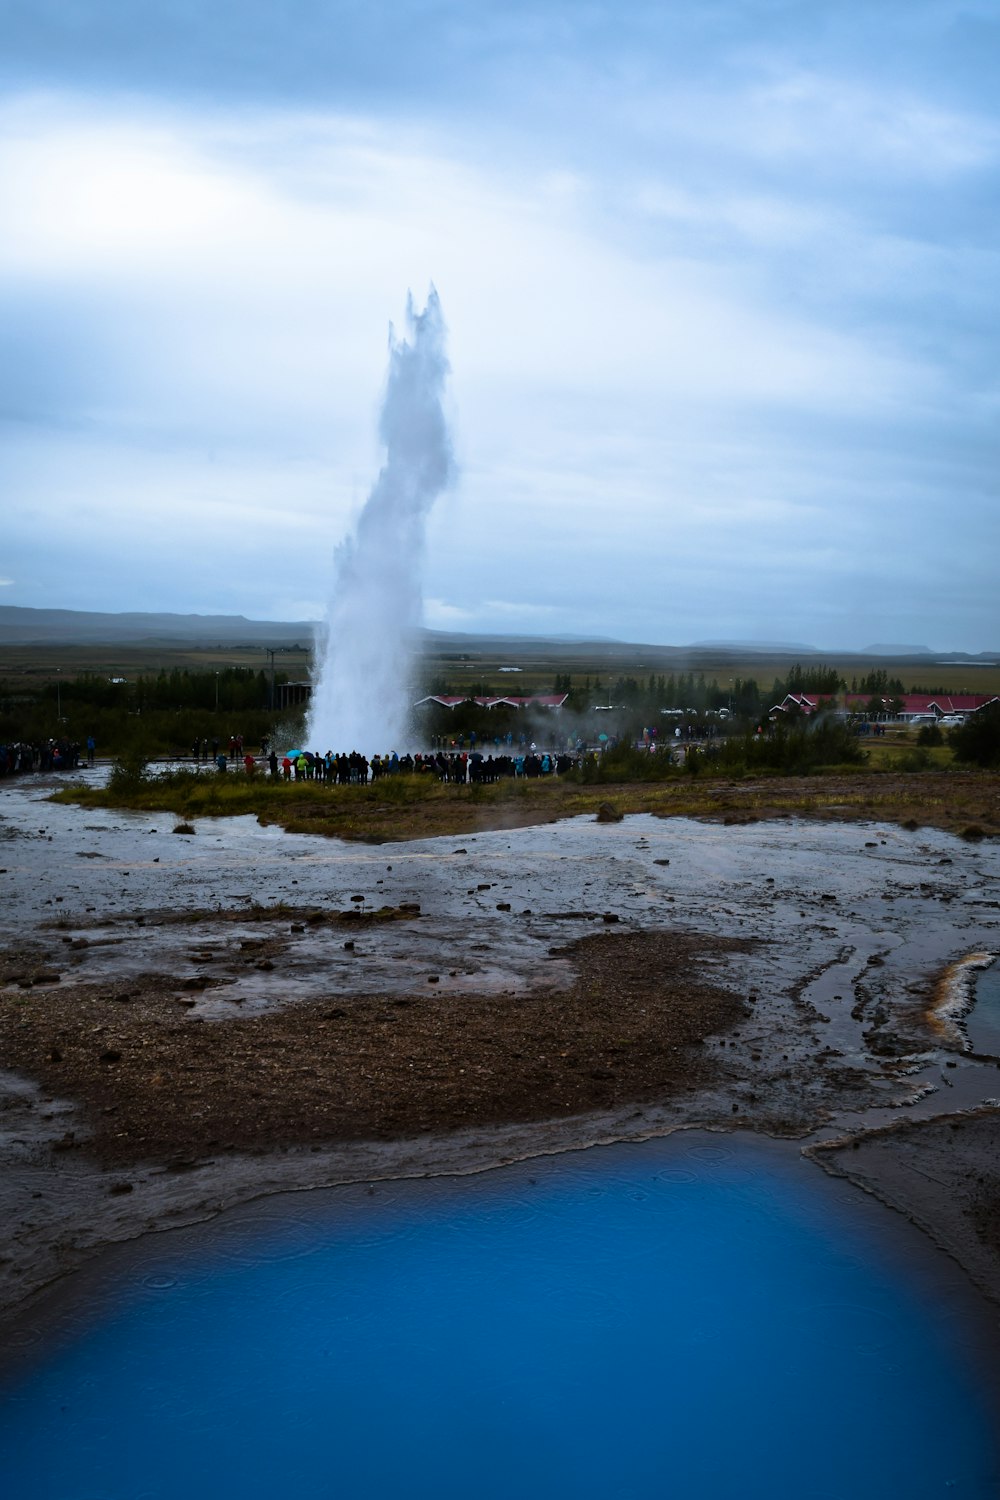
column 537, row 700
column 805, row 702
column 928, row 703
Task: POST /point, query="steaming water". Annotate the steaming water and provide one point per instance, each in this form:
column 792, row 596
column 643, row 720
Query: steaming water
column 360, row 700
column 702, row 1316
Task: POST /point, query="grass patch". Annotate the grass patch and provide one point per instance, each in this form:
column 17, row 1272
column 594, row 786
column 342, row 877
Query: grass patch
column 414, row 807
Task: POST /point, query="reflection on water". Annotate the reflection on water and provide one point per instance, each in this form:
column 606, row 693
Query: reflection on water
column 702, row 1316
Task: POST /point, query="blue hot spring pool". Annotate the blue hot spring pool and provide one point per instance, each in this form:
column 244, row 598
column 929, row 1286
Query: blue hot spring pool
column 705, row 1316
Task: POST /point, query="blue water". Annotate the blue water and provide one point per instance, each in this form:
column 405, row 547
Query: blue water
column 982, row 1024
column 700, row 1317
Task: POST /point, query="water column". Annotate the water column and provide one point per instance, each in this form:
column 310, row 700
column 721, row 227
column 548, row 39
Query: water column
column 361, row 696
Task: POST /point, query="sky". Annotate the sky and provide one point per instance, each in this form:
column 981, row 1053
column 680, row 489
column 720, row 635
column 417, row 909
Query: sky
column 720, row 282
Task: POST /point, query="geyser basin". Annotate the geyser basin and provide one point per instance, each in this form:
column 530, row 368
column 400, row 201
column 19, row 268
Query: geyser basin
column 701, row 1316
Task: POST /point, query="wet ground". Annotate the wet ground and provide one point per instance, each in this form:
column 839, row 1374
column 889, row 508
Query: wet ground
column 489, row 997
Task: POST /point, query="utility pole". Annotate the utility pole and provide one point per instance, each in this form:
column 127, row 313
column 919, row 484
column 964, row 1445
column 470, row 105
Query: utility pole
column 270, row 694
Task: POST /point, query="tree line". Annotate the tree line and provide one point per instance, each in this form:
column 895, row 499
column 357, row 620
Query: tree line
column 166, row 711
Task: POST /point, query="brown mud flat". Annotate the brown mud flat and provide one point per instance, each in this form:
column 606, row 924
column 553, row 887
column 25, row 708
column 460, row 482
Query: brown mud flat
column 158, row 1084
column 963, row 802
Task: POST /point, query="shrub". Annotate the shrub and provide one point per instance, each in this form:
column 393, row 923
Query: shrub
column 918, row 759
column 978, row 741
column 129, row 772
column 625, row 763
column 797, row 748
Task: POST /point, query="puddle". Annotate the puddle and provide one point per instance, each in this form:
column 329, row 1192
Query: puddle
column 266, row 963
column 982, row 1024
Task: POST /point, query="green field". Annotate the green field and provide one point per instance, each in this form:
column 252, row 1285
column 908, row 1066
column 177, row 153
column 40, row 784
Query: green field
column 162, row 694
column 466, row 662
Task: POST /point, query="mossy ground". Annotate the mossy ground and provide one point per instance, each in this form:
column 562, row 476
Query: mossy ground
column 414, row 807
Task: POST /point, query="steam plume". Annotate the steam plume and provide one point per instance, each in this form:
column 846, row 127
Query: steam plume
column 361, row 697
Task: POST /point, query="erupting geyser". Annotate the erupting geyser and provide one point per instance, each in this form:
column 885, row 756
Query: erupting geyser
column 361, row 699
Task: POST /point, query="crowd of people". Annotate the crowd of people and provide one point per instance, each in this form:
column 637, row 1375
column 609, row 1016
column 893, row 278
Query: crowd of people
column 457, row 766
column 210, row 749
column 46, row 755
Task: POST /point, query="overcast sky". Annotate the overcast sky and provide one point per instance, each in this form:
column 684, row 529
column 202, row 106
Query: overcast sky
column 721, row 284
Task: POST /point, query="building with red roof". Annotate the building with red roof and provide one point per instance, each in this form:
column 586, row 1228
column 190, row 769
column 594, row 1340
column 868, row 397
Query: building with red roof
column 903, row 708
column 536, row 700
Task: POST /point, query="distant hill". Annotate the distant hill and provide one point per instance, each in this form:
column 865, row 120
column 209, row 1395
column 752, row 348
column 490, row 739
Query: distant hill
column 22, row 626
column 776, row 648
column 895, row 650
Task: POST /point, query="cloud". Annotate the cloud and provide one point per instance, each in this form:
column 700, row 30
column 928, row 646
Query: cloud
column 877, row 130
column 203, row 244
column 439, row 614
column 729, row 349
